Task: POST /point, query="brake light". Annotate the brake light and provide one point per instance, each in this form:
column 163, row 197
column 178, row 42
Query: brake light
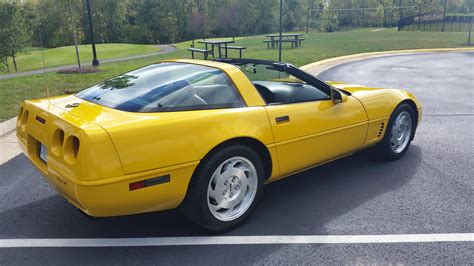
column 71, row 149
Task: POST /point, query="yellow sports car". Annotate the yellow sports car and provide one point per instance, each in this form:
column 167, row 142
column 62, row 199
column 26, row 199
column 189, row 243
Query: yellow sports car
column 205, row 135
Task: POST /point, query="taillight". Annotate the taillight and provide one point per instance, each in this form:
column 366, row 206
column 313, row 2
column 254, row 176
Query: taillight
column 24, row 119
column 71, row 149
column 18, row 119
column 57, row 143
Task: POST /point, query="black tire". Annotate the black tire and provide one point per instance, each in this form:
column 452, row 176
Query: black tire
column 383, row 151
column 195, row 205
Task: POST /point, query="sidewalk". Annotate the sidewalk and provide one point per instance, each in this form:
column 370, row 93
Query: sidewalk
column 8, row 147
column 165, row 48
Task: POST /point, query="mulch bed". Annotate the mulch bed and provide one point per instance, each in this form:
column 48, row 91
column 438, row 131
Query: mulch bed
column 76, row 70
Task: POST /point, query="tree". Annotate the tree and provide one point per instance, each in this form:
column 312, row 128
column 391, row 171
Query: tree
column 14, row 35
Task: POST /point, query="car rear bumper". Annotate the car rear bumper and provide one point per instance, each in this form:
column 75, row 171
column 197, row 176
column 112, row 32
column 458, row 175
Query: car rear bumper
column 113, row 197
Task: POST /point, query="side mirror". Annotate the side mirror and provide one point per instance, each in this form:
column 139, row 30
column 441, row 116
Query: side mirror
column 337, row 96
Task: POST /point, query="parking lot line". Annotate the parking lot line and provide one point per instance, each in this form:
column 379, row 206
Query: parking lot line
column 234, row 240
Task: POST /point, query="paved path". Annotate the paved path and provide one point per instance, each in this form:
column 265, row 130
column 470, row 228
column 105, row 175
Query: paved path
column 429, row 191
column 164, row 50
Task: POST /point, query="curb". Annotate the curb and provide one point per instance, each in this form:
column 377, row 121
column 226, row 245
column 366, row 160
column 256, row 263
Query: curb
column 318, row 67
column 7, row 126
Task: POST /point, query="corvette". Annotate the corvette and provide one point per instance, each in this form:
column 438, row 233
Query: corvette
column 205, row 136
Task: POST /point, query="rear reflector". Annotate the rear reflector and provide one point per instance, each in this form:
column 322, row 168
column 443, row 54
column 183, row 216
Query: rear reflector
column 137, row 185
column 149, row 182
column 40, row 119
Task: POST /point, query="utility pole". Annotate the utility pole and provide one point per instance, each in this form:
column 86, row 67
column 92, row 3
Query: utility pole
column 338, row 16
column 281, row 29
column 42, row 52
column 419, row 16
column 401, row 14
column 95, row 62
column 363, row 13
column 307, row 19
column 470, row 26
column 75, row 35
column 444, row 14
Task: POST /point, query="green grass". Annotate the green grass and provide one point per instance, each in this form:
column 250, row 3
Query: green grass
column 317, row 46
column 31, row 59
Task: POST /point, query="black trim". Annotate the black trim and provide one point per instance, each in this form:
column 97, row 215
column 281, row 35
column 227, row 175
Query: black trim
column 281, row 119
column 157, row 180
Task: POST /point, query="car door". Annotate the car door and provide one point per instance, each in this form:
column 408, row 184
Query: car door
column 310, row 128
column 310, row 133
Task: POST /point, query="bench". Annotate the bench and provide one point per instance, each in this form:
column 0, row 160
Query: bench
column 293, row 42
column 196, row 50
column 268, row 43
column 299, row 41
column 275, row 42
column 240, row 48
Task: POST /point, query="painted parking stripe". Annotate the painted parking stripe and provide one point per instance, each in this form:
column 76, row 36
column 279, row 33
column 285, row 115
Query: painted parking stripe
column 234, row 240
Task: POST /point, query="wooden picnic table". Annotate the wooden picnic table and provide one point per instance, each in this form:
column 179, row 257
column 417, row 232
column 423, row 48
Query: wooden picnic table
column 217, row 43
column 284, row 35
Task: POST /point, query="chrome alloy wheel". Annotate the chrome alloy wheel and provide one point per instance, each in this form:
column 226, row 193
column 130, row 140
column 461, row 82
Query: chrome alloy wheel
column 232, row 188
column 401, row 132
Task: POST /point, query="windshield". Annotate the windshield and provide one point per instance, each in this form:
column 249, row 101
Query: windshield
column 166, row 87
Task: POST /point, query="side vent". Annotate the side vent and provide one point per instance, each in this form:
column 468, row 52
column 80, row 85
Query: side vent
column 382, row 125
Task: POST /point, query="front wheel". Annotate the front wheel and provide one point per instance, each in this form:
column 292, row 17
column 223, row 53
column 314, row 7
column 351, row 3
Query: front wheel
column 225, row 188
column 398, row 136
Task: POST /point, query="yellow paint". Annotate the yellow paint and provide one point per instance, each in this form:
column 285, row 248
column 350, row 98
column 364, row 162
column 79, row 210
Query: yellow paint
column 118, row 148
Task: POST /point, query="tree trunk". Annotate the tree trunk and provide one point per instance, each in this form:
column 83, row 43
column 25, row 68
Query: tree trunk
column 14, row 60
column 5, row 62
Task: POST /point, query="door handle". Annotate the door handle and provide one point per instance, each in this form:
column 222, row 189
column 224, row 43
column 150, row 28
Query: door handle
column 282, row 119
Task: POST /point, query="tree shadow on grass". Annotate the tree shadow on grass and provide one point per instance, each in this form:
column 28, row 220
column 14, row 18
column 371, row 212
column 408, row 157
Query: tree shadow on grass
column 301, row 204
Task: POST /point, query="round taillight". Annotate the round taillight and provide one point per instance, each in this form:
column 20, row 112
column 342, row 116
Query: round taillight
column 18, row 119
column 71, row 149
column 57, row 143
column 24, row 119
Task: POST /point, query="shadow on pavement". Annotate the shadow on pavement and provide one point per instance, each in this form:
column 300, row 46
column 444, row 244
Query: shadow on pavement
column 301, row 204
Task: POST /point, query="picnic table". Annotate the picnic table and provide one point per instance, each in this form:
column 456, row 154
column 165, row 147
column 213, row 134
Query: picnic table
column 294, row 37
column 217, row 43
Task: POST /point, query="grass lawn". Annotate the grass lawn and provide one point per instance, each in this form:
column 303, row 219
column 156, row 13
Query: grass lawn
column 31, row 59
column 317, row 46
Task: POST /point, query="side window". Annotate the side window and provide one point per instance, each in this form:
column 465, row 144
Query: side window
column 288, row 92
column 279, row 87
column 309, row 93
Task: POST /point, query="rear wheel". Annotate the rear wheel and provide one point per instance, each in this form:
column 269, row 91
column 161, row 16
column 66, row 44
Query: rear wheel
column 398, row 136
column 225, row 188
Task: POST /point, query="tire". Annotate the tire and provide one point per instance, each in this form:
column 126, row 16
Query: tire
column 231, row 175
column 398, row 136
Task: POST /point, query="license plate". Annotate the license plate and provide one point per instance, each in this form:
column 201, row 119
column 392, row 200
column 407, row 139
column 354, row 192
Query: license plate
column 43, row 153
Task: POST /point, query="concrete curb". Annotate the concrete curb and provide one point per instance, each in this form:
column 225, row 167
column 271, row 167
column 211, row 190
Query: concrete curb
column 7, row 126
column 317, row 68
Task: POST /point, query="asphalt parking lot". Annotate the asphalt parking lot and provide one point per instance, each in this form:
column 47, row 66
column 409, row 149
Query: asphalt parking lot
column 428, row 191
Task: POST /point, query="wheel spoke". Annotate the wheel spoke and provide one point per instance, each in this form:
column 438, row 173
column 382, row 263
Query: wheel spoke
column 401, row 132
column 232, row 188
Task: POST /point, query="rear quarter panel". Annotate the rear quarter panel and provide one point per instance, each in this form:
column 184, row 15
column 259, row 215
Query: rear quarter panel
column 155, row 140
